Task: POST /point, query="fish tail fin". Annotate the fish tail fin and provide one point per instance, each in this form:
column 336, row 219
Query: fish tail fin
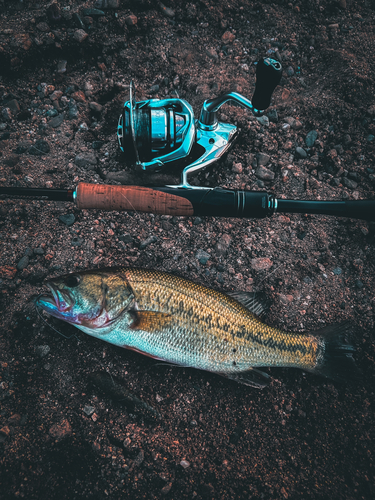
column 336, row 358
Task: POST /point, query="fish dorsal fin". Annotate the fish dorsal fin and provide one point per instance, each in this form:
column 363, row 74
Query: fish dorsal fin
column 150, row 321
column 255, row 302
column 253, row 378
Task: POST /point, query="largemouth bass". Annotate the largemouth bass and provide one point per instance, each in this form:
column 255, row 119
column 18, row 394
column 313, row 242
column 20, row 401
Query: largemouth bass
column 175, row 320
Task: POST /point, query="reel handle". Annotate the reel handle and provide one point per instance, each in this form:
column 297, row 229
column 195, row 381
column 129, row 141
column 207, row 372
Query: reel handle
column 268, row 76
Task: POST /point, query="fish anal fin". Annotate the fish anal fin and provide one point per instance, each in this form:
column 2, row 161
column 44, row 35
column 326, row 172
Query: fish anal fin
column 150, row 321
column 252, row 378
column 255, row 302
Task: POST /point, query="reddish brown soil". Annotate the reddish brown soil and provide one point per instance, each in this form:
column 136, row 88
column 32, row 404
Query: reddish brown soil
column 303, row 437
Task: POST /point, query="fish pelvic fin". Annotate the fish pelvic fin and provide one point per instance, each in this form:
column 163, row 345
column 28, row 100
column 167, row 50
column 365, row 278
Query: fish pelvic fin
column 252, row 378
column 150, row 321
column 255, row 302
column 336, row 359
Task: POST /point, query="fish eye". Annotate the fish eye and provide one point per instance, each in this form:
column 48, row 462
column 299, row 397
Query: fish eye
column 71, row 281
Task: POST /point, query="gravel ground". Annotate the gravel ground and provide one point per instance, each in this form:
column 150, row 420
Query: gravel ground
column 65, row 431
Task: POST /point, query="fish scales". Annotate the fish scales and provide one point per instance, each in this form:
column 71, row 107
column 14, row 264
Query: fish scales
column 173, row 319
column 213, row 329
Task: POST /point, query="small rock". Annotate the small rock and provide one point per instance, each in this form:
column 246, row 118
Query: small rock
column 42, row 350
column 228, row 37
column 67, row 219
column 237, row 168
column 285, row 94
column 263, row 120
column 61, row 431
column 80, row 35
column 222, row 245
column 212, row 54
column 107, row 4
column 154, row 89
column 166, row 10
column 148, row 241
column 13, row 106
column 261, row 263
column 202, row 256
column 61, row 66
column 72, row 110
column 131, row 20
column 349, row 183
column 38, row 251
column 86, row 160
column 359, row 284
column 311, row 138
column 23, row 263
column 264, row 173
column 370, row 138
column 76, row 241
column 56, row 121
column 185, row 464
column 262, row 159
column 273, row 116
column 301, row 153
column 96, row 107
column 88, row 410
column 6, row 114
column 166, row 489
column 337, row 271
column 97, row 144
column 289, row 71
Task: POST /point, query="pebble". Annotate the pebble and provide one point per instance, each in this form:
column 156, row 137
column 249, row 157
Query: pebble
column 23, row 263
column 131, row 20
column 370, row 138
column 263, row 120
column 107, row 4
column 261, row 263
column 359, row 284
column 262, row 159
column 300, row 152
column 72, row 109
column 61, row 66
column 96, row 107
column 212, row 54
column 148, row 241
column 86, row 160
column 39, row 148
column 93, row 12
column 61, row 431
column 76, row 241
column 311, row 137
column 273, row 116
column 13, row 106
column 166, row 10
column 166, row 489
column 337, row 271
column 264, row 173
column 222, row 245
column 56, row 121
column 237, row 168
column 38, row 251
column 185, row 464
column 289, row 71
column 202, row 256
column 80, row 35
column 228, row 37
column 307, row 280
column 42, row 350
column 349, row 183
column 88, row 410
column 67, row 219
column 97, row 144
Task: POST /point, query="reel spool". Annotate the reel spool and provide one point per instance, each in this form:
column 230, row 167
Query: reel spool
column 160, row 132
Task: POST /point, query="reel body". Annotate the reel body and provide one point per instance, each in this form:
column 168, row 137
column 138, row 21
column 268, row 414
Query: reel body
column 163, row 132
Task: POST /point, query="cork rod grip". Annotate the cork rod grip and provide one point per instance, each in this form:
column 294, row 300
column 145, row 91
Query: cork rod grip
column 137, row 198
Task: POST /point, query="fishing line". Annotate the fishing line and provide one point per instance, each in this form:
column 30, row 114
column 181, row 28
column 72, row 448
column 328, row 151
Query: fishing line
column 52, row 327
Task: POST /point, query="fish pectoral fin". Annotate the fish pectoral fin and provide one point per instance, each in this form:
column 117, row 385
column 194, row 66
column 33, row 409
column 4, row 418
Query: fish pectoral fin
column 150, row 321
column 252, row 378
column 255, row 302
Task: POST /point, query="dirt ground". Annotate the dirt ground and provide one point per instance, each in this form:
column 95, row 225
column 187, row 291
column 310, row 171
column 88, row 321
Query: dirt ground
column 65, row 430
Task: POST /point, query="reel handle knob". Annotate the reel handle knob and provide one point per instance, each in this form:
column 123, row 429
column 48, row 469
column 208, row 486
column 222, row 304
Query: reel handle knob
column 268, row 76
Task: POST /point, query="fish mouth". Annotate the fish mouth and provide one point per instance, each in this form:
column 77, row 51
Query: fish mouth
column 58, row 303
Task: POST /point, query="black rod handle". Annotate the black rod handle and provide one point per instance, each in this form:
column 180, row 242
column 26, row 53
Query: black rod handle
column 356, row 209
column 47, row 193
column 268, row 76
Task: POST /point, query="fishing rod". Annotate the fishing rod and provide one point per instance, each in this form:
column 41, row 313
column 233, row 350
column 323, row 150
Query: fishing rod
column 171, row 200
column 157, row 133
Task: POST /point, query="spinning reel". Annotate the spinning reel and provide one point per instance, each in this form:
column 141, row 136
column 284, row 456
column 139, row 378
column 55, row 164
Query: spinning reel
column 160, row 132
